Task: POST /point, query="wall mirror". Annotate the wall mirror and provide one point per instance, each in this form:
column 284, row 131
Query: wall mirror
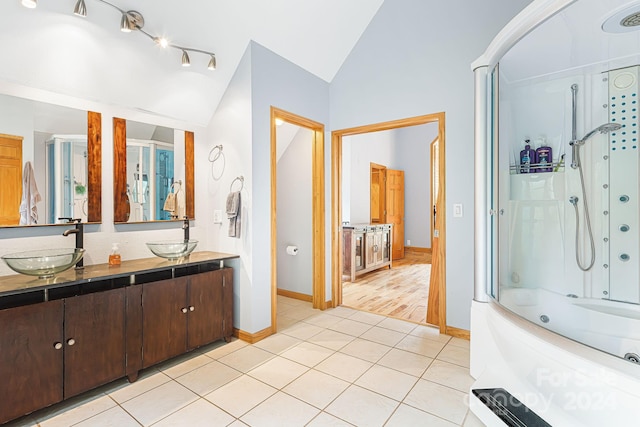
column 50, row 163
column 153, row 172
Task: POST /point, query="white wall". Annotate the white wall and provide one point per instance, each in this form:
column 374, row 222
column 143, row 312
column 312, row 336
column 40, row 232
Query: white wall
column 414, row 59
column 295, row 214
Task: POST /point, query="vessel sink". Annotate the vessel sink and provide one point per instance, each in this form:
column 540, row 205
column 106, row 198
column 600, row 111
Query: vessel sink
column 44, row 263
column 172, row 249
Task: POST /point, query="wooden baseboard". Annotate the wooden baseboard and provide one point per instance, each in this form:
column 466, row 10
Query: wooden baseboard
column 458, row 333
column 295, row 295
column 417, row 249
column 252, row 338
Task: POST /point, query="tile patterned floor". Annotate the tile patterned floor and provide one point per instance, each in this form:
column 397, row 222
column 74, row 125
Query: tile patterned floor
column 340, row 367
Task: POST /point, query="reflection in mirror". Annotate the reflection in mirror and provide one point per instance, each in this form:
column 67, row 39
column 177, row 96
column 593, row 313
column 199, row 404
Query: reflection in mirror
column 149, row 172
column 48, row 169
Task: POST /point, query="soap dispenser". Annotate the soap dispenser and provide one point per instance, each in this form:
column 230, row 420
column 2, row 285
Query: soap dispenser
column 114, row 256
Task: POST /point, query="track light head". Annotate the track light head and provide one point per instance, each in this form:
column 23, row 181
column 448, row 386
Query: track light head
column 80, row 9
column 186, row 62
column 131, row 21
column 161, row 41
column 31, row 4
column 212, row 63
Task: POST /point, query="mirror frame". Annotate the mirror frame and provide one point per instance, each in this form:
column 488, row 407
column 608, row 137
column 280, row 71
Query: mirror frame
column 120, row 208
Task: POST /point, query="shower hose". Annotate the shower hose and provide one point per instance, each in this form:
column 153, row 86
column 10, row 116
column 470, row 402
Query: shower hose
column 574, row 202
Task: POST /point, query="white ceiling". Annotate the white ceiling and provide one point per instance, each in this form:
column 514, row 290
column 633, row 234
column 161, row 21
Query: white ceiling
column 317, row 35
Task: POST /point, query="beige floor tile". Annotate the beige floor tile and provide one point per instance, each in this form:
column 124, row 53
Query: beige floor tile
column 362, row 407
column 294, row 301
column 405, row 361
column 302, row 330
column 472, row 421
column 237, row 423
column 200, row 413
column 300, row 313
column 208, row 377
column 438, row 400
column 430, row 332
column 75, row 410
column 227, row 348
column 316, row 388
column 181, row 365
column 114, row 417
column 331, row 339
column 341, row 311
column 365, row 317
column 387, row 382
column 278, row 372
column 383, row 336
column 246, row 359
column 453, row 354
column 323, row 320
column 277, row 343
column 397, row 325
column 159, row 403
column 408, row 416
column 240, row 395
column 351, row 327
column 367, row 350
column 422, row 346
column 327, row 420
column 459, row 342
column 343, row 366
column 307, row 354
column 280, row 410
column 284, row 322
column 448, row 374
column 148, row 379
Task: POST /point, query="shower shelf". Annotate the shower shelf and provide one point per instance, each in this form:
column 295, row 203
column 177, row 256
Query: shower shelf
column 537, row 168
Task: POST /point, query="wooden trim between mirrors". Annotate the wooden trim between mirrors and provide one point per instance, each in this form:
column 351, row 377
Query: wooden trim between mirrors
column 189, row 171
column 120, row 200
column 94, row 152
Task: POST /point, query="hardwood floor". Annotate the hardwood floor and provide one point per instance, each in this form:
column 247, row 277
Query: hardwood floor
column 401, row 291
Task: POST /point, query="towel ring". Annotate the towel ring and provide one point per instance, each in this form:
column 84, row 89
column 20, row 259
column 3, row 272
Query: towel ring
column 238, row 178
column 216, row 152
column 179, row 182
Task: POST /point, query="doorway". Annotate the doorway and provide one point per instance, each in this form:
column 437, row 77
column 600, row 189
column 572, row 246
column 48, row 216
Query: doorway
column 438, row 279
column 318, row 297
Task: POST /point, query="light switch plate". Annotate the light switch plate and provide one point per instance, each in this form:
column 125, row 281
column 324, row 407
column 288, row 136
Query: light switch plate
column 457, row 210
column 217, row 216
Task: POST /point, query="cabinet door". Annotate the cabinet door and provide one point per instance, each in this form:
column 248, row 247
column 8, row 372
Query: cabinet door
column 205, row 308
column 227, row 303
column 369, row 241
column 360, row 251
column 164, row 320
column 94, row 340
column 30, row 363
column 386, row 245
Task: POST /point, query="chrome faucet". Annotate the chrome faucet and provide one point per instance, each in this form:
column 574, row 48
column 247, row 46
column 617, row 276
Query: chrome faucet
column 79, row 232
column 185, row 227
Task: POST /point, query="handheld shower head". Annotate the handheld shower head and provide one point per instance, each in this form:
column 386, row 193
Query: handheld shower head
column 604, row 129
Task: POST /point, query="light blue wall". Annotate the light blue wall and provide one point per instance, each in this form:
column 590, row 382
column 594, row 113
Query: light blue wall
column 295, row 214
column 414, row 59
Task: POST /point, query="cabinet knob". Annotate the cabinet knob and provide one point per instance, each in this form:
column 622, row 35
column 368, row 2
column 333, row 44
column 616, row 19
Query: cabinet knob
column 191, row 308
column 184, row 310
column 71, row 341
column 57, row 345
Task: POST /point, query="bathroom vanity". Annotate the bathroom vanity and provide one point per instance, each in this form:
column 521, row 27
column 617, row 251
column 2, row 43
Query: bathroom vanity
column 62, row 336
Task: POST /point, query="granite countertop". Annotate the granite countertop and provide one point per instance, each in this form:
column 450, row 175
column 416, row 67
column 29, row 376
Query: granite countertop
column 18, row 283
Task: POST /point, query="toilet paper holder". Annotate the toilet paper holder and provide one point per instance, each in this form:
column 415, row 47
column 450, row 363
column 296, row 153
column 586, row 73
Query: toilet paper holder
column 292, row 250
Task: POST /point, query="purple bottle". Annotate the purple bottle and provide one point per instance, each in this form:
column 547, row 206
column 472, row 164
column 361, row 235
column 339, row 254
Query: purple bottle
column 544, row 159
column 527, row 157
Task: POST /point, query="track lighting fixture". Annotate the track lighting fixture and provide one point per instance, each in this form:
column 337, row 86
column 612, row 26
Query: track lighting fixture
column 80, row 9
column 130, row 20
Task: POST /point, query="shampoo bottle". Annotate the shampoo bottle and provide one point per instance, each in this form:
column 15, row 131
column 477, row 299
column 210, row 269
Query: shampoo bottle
column 114, row 256
column 545, row 157
column 527, row 157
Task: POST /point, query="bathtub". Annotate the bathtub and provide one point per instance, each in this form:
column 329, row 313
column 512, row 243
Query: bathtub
column 606, row 325
column 563, row 381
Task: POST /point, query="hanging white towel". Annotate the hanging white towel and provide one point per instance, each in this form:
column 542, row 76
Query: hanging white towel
column 233, row 213
column 30, row 197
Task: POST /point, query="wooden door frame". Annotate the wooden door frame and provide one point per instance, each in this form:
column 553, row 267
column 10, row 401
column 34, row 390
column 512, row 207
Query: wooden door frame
column 336, row 203
column 318, row 203
column 432, row 199
column 382, row 169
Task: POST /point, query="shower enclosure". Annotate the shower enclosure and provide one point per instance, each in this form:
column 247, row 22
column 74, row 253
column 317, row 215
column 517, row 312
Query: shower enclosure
column 66, row 178
column 557, row 243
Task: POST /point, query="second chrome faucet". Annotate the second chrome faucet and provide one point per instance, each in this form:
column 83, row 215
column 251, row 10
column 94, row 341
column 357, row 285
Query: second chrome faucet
column 79, row 232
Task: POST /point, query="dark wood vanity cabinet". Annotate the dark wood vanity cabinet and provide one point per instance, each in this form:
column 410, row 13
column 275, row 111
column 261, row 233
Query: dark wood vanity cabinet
column 54, row 350
column 185, row 313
